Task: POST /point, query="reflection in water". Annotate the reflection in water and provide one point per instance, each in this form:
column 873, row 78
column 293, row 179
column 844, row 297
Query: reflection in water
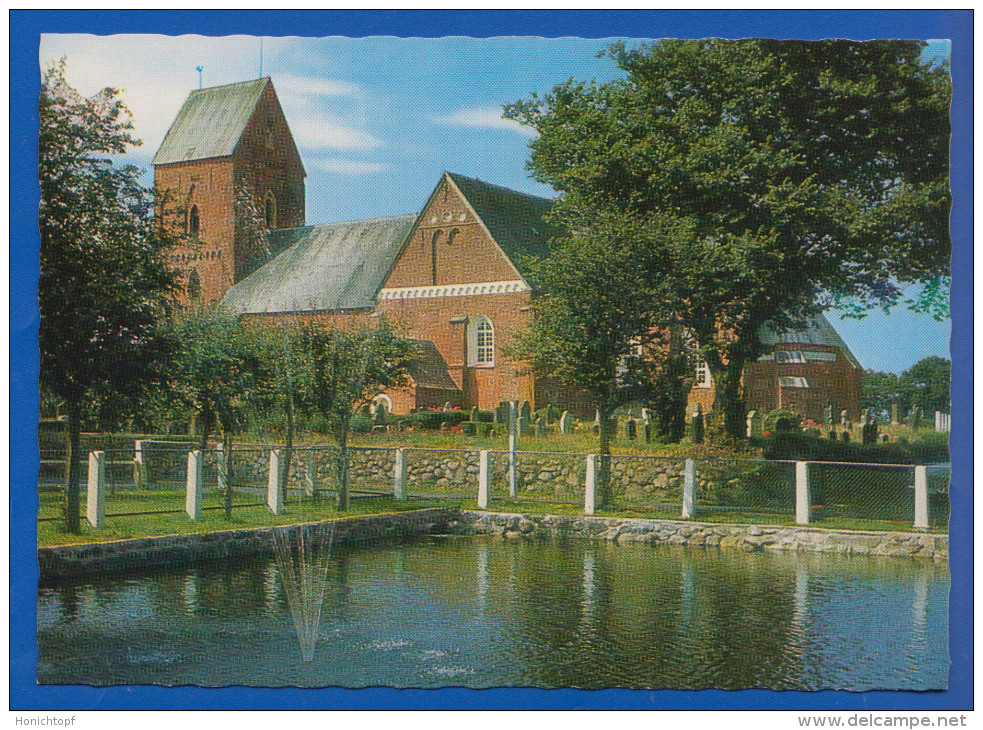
column 482, row 613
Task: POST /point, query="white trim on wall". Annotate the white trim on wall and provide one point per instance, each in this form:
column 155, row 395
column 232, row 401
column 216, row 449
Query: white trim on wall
column 453, row 290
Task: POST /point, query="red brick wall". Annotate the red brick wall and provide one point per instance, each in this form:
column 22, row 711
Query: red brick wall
column 468, row 256
column 430, row 319
column 207, row 185
column 266, row 161
column 838, row 381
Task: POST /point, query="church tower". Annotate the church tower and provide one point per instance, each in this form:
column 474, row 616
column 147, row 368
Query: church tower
column 229, row 171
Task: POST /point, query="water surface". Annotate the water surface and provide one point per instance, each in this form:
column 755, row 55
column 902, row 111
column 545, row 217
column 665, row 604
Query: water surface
column 476, row 612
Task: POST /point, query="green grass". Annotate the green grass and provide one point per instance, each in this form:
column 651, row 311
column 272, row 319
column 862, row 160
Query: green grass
column 122, row 528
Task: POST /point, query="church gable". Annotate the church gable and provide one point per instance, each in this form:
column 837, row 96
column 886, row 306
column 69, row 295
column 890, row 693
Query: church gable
column 451, row 246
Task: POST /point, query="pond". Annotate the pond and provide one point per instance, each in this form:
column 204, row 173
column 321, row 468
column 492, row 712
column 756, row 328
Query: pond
column 476, row 612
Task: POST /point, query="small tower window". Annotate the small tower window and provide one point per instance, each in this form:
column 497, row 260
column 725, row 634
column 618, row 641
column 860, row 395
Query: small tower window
column 194, row 284
column 481, row 345
column 270, row 211
column 194, row 222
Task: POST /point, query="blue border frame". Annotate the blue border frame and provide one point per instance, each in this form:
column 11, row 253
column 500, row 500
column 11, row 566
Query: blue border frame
column 25, row 30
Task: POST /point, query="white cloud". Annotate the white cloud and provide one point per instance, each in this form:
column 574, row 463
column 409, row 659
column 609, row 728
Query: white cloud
column 349, row 167
column 328, row 133
column 314, row 86
column 487, row 118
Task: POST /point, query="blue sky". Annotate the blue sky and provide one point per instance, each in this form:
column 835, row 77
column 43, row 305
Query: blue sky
column 378, row 119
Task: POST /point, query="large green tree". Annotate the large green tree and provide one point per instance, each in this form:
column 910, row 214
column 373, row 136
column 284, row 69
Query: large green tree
column 104, row 282
column 798, row 175
column 337, row 371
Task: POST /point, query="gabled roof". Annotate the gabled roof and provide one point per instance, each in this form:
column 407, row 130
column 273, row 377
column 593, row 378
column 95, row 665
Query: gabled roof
column 335, row 266
column 815, row 331
column 514, row 219
column 429, row 368
column 211, row 122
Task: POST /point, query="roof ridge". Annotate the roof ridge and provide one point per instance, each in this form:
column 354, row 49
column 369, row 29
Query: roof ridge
column 233, row 83
column 500, row 187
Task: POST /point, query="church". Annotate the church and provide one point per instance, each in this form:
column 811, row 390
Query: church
column 452, row 276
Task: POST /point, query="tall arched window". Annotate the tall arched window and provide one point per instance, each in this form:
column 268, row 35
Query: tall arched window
column 194, row 284
column 194, row 222
column 481, row 342
column 270, row 211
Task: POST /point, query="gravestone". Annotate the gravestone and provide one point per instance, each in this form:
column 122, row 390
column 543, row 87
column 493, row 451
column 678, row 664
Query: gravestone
column 844, row 417
column 475, row 412
column 755, row 419
column 916, row 417
column 631, row 429
column 540, row 425
column 647, row 430
column 845, row 436
column 869, row 432
column 831, row 435
column 522, row 425
column 828, row 414
column 698, row 425
column 525, row 410
column 379, row 418
column 894, row 414
column 566, row 422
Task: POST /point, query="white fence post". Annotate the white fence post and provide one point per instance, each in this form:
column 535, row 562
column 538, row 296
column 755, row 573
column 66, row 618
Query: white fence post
column 273, row 500
column 513, row 438
column 591, row 484
column 95, row 504
column 921, row 498
column 139, row 467
column 192, row 500
column 689, row 490
column 399, row 475
column 802, row 493
column 484, row 472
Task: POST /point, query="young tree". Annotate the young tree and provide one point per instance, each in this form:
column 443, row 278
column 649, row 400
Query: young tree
column 594, row 326
column 807, row 173
column 104, row 282
column 341, row 370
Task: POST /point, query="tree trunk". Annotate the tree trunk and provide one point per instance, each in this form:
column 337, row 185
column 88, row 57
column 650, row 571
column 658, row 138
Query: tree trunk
column 605, row 431
column 342, row 436
column 206, row 422
column 728, row 399
column 73, row 468
column 227, row 454
column 288, row 448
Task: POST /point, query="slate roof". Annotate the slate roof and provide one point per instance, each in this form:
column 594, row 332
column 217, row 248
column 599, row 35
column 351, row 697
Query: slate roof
column 328, row 267
column 514, row 219
column 429, row 368
column 816, row 331
column 210, row 122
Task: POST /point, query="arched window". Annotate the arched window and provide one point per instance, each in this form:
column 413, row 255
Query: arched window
column 481, row 342
column 194, row 222
column 270, row 211
column 452, row 235
column 194, row 284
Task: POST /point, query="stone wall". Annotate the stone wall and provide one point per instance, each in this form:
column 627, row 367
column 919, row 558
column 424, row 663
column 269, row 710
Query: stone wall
column 64, row 561
column 705, row 535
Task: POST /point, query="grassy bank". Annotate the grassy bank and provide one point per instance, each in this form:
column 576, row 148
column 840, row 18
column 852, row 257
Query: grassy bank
column 122, row 528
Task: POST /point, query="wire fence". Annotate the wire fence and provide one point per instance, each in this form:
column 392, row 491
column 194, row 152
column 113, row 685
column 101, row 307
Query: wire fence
column 152, row 478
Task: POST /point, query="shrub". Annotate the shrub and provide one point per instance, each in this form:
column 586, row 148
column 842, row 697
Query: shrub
column 795, row 445
column 781, row 420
